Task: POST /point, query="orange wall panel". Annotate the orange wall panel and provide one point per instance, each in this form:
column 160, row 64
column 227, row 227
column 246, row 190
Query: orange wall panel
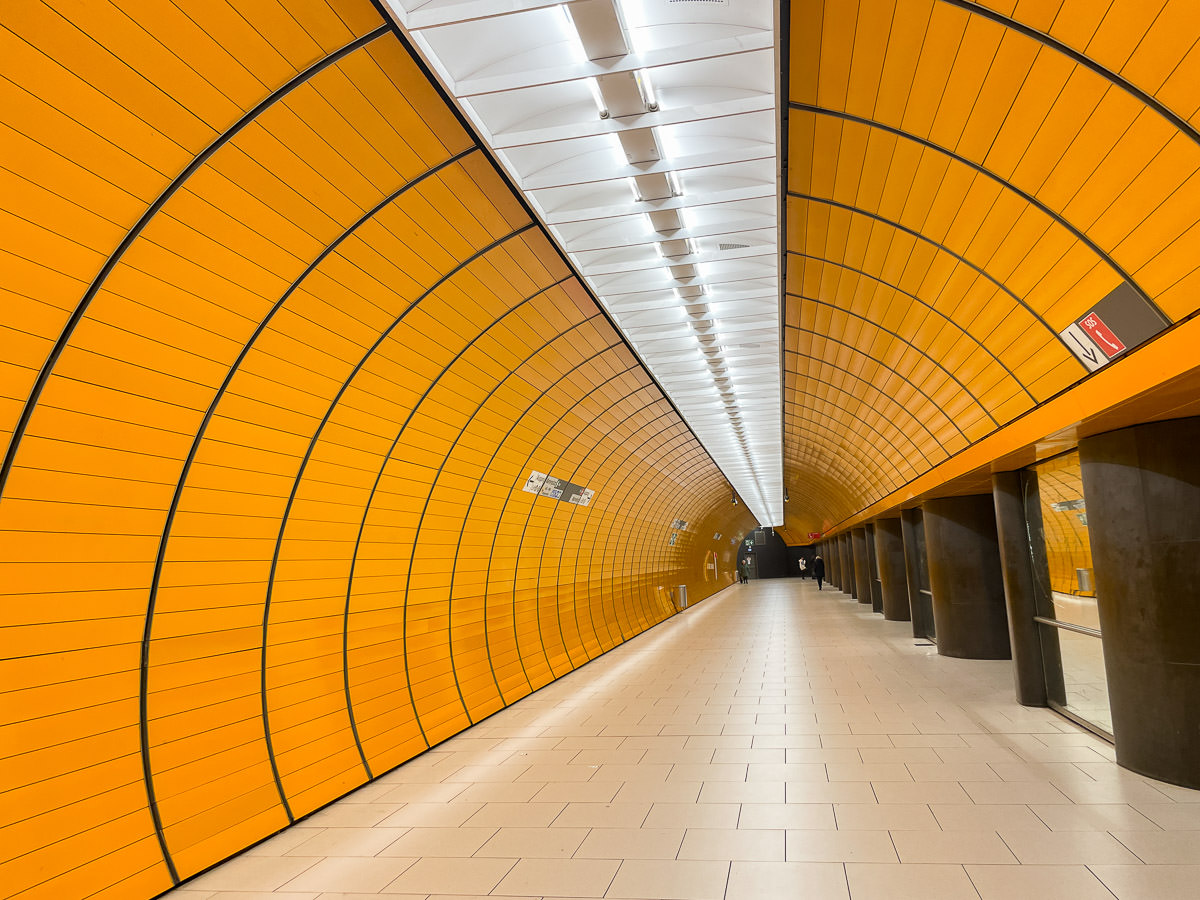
column 262, row 525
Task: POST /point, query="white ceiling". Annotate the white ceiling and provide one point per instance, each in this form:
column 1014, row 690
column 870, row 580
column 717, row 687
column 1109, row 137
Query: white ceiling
column 666, row 202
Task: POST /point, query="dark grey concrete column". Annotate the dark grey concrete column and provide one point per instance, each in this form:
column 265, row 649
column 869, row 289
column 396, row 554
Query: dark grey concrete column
column 1016, row 566
column 837, row 556
column 862, row 569
column 873, row 570
column 830, row 563
column 910, row 521
column 965, row 577
column 1142, row 487
column 848, row 585
column 889, row 556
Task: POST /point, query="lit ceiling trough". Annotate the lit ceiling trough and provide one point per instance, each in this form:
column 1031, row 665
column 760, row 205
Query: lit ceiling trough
column 643, row 133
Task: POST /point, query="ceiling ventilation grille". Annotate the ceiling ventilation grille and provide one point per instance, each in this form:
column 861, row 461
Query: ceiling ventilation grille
column 723, row 245
column 713, row 2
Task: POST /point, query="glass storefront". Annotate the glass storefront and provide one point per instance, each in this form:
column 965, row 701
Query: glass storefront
column 1068, row 616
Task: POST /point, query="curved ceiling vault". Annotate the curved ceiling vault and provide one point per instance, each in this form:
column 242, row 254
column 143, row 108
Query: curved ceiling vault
column 964, row 183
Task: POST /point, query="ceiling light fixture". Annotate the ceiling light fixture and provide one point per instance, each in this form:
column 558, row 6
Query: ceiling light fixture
column 594, row 87
column 633, row 186
column 646, row 89
column 673, row 181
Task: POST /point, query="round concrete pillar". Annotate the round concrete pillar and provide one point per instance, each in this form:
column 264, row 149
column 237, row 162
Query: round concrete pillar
column 1142, row 487
column 889, row 556
column 1029, row 673
column 862, row 567
column 848, row 585
column 965, row 577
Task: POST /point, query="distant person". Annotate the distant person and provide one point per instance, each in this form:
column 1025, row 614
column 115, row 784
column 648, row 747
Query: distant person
column 819, row 571
column 744, row 570
column 803, row 568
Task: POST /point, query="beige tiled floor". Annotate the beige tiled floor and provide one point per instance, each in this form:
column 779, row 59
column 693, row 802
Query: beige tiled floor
column 770, row 742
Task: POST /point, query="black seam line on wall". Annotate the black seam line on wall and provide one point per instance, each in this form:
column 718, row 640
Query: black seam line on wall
column 487, row 468
column 982, row 346
column 501, row 172
column 1086, row 61
column 797, row 417
column 283, row 520
column 416, row 537
column 966, row 390
column 882, row 365
column 587, row 517
column 870, row 384
column 1003, row 182
column 160, row 559
column 623, row 489
column 613, row 506
column 529, row 514
column 525, row 527
column 487, row 578
column 782, row 90
column 65, row 337
column 132, row 235
column 855, row 210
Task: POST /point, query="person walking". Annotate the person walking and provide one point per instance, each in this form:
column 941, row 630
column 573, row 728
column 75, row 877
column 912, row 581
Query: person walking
column 819, row 571
column 803, row 568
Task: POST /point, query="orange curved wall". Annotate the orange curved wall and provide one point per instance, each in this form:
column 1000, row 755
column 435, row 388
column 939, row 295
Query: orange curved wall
column 965, row 180
column 281, row 349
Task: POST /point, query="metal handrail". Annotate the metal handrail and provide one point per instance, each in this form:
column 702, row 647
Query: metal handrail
column 1068, row 626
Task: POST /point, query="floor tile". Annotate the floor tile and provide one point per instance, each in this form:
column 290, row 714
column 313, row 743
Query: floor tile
column 577, row 792
column 559, row 877
column 1068, row 848
column 452, row 876
column 350, row 842
column 840, row 846
column 765, row 880
column 961, row 847
column 367, row 875
column 418, row 842
column 760, row 845
column 538, row 843
column 252, row 873
column 1047, row 882
column 884, row 817
column 670, row 880
column 600, row 815
column 1019, row 792
column 1161, row 847
column 1150, row 882
column 694, row 815
column 532, row 815
column 1093, row 817
column 631, row 843
column 993, row 817
column 817, row 816
column 909, row 882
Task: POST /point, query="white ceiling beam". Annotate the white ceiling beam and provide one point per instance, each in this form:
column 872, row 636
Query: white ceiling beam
column 675, row 116
column 483, row 85
column 753, row 192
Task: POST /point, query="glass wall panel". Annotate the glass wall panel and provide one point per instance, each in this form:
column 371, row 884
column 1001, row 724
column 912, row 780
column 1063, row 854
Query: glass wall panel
column 1056, row 515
